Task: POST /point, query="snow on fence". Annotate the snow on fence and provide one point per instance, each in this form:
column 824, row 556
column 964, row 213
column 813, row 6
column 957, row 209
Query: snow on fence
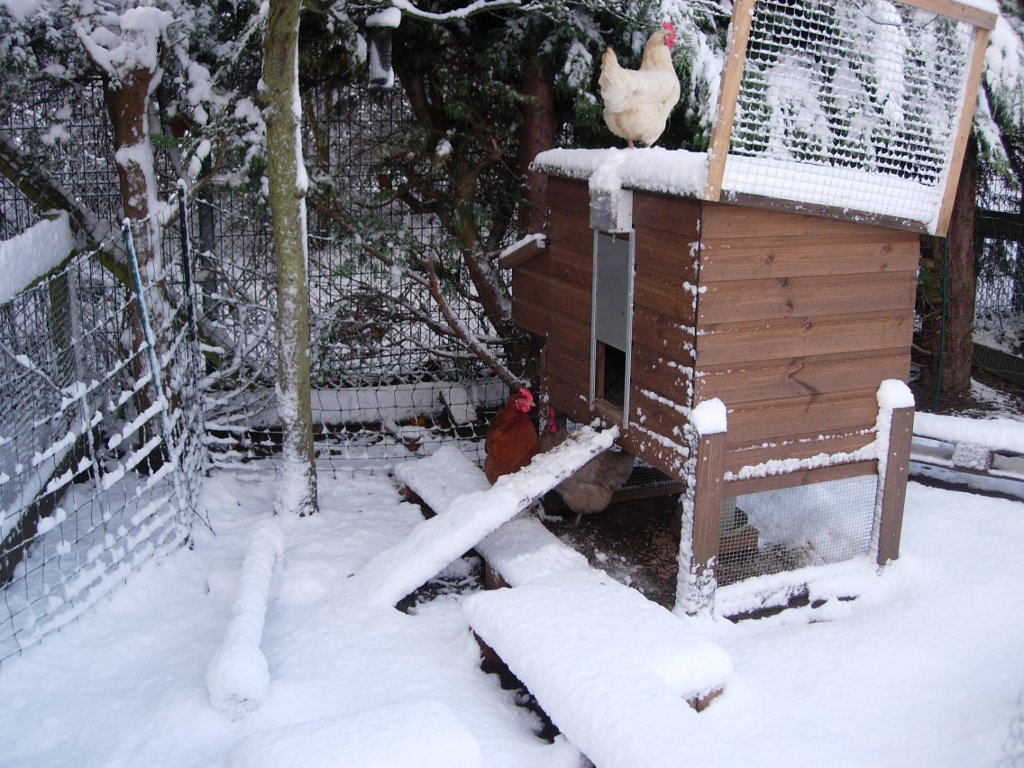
column 984, row 454
column 100, row 453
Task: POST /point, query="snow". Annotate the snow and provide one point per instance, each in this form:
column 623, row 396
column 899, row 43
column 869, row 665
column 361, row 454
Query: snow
column 610, row 668
column 238, row 677
column 412, row 734
column 921, row 670
column 709, row 417
column 1003, row 434
column 28, row 256
column 467, row 518
column 389, row 17
column 676, row 172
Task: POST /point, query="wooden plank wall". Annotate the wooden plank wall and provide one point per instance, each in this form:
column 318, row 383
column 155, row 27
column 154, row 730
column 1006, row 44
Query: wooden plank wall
column 664, row 306
column 800, row 319
column 552, row 297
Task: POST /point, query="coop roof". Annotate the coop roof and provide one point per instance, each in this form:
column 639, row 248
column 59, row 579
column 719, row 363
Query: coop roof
column 857, row 109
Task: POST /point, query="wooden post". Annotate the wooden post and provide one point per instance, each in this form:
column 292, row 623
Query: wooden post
column 696, row 594
column 725, row 111
column 894, row 484
column 963, row 131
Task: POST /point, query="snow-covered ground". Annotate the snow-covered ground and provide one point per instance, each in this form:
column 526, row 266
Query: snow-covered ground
column 922, row 670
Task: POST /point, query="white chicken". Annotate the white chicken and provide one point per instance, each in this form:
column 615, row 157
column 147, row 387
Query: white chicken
column 637, row 103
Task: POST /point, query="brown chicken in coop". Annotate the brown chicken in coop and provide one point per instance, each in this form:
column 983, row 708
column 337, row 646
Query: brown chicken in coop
column 512, row 440
column 591, row 487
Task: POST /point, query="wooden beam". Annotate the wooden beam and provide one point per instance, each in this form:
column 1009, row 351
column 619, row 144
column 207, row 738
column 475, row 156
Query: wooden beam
column 952, row 9
column 523, row 251
column 725, row 111
column 893, row 485
column 963, row 130
column 744, row 486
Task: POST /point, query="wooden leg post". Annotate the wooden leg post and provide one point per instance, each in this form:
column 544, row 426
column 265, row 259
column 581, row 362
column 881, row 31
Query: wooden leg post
column 893, row 488
column 697, row 593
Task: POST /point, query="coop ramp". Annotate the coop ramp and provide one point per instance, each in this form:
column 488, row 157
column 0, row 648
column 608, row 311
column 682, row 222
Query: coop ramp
column 613, row 670
column 466, row 517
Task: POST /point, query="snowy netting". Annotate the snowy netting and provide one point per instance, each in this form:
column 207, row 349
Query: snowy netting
column 852, row 105
column 98, row 465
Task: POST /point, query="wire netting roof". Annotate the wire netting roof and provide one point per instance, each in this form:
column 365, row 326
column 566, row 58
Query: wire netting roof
column 851, row 105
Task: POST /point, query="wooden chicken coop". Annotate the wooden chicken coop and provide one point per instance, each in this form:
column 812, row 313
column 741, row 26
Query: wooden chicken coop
column 771, row 276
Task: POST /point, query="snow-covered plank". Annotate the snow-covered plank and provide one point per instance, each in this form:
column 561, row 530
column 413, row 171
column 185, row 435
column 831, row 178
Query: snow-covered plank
column 521, row 549
column 469, row 517
column 612, row 669
column 997, row 434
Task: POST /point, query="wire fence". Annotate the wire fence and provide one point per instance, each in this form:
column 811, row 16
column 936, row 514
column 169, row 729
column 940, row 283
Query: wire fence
column 101, row 450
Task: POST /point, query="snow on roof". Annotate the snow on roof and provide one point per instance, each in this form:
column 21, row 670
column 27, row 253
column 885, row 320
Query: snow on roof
column 683, row 173
column 674, row 171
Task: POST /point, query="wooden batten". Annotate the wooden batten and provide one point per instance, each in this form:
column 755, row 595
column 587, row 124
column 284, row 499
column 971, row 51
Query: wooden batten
column 522, row 254
column 707, row 518
column 969, row 14
column 725, row 110
column 743, row 486
column 963, row 130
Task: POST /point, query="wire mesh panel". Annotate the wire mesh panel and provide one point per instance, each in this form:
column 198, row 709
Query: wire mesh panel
column 852, row 106
column 790, row 528
column 99, row 468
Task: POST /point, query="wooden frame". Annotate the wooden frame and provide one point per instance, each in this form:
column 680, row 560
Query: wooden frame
column 725, row 112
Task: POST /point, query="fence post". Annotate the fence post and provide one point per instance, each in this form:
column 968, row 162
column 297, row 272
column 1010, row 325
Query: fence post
column 150, row 341
column 893, row 484
column 186, row 264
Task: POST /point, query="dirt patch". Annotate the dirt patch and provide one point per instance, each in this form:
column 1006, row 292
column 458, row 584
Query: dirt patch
column 635, row 542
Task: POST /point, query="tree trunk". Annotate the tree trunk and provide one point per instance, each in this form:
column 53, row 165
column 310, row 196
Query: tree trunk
column 946, row 302
column 958, row 353
column 127, row 101
column 287, row 193
column 536, row 134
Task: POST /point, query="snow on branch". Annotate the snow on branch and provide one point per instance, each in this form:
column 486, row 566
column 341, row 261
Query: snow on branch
column 478, row 6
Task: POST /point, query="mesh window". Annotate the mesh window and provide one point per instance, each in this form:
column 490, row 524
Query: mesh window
column 791, row 528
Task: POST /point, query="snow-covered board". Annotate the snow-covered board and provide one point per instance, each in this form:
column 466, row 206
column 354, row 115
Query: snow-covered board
column 612, row 669
column 576, row 637
column 468, row 516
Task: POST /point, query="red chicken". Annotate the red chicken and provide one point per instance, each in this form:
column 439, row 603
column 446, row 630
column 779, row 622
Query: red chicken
column 512, row 439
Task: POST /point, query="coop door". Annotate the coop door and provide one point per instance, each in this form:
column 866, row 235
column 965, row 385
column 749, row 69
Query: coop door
column 612, row 320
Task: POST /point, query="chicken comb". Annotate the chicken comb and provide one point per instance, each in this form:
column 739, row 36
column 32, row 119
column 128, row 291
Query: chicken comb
column 670, row 34
column 525, row 402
